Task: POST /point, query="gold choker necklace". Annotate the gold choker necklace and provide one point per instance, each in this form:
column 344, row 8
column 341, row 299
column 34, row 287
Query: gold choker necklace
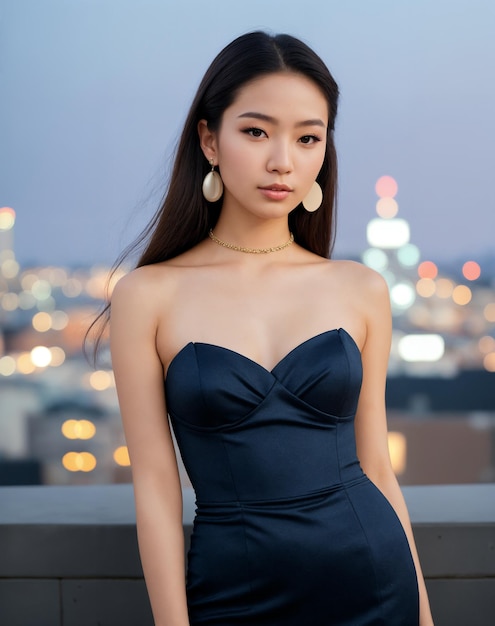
column 232, row 246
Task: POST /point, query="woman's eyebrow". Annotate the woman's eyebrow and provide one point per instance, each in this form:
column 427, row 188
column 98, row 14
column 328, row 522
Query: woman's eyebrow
column 272, row 120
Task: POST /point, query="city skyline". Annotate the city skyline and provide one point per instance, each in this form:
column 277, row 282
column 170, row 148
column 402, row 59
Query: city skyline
column 94, row 96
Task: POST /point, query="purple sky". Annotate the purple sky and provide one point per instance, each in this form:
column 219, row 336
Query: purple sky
column 94, row 93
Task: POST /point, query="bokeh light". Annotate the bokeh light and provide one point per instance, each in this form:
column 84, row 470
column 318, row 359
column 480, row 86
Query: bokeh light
column 489, row 312
column 376, row 259
column 9, row 301
column 7, row 365
column 462, row 295
column 471, row 270
column 426, row 287
column 386, row 187
column 41, row 356
column 121, row 456
column 27, row 280
column 10, row 268
column 402, row 295
column 489, row 362
column 421, row 348
column 101, row 380
column 427, row 269
column 42, row 322
column 41, row 289
column 408, row 255
column 387, row 208
column 397, row 448
column 59, row 320
column 58, row 356
column 78, row 429
column 25, row 364
column 392, row 233
column 79, row 461
column 7, row 218
column 26, row 300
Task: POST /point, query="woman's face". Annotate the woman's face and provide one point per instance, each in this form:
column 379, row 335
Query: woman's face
column 271, row 144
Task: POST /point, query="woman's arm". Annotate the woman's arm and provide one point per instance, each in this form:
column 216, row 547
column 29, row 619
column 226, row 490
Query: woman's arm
column 371, row 425
column 157, row 490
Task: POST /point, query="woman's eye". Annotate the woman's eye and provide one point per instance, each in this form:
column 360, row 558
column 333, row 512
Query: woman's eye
column 255, row 132
column 308, row 139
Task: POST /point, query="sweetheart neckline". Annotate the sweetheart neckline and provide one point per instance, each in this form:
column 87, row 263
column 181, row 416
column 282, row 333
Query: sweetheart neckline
column 262, row 367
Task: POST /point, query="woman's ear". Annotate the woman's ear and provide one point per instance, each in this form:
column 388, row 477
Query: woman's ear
column 207, row 141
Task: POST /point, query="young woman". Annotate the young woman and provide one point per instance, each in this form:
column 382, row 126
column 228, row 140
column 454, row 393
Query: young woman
column 270, row 360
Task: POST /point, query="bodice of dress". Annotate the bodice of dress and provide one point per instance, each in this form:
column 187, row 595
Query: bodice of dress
column 249, row 434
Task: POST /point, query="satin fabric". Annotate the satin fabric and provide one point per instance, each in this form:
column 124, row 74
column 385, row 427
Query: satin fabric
column 288, row 529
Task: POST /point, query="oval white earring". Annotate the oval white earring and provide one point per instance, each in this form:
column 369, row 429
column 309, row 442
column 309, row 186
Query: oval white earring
column 212, row 185
column 313, row 199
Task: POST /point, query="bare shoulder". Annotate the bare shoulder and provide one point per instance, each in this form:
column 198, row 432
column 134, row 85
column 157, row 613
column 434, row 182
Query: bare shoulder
column 366, row 282
column 145, row 291
column 138, row 282
column 365, row 295
column 356, row 271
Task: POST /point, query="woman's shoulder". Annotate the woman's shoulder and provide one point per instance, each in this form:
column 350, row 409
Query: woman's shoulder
column 146, row 287
column 366, row 290
column 140, row 280
column 357, row 274
column 363, row 287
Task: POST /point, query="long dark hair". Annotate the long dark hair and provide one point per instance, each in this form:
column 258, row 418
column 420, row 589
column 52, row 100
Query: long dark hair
column 184, row 216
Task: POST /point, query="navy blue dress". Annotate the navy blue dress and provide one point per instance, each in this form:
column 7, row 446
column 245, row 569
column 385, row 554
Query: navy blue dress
column 289, row 531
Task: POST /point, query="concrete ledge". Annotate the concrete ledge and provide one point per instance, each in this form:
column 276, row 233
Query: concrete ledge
column 73, row 552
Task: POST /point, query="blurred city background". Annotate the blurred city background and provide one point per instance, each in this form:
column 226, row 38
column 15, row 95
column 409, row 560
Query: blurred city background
column 59, row 419
column 93, row 96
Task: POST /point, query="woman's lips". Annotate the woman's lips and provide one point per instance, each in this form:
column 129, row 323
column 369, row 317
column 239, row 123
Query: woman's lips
column 275, row 192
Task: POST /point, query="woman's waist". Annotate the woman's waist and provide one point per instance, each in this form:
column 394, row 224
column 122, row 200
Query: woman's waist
column 260, row 480
column 229, row 506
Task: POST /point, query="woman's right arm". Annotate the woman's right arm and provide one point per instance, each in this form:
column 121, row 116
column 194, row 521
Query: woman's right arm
column 157, row 491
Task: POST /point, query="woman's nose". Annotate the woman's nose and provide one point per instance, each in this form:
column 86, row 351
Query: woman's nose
column 280, row 159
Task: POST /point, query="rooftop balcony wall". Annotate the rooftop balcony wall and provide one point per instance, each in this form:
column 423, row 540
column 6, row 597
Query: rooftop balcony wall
column 69, row 555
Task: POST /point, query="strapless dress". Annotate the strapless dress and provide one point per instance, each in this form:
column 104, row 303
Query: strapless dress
column 288, row 530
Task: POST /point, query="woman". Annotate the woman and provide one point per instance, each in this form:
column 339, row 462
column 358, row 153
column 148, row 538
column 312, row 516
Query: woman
column 274, row 360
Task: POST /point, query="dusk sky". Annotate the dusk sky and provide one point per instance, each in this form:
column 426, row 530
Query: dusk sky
column 94, row 93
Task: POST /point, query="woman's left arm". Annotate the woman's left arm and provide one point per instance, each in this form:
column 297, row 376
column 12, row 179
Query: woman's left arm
column 371, row 421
